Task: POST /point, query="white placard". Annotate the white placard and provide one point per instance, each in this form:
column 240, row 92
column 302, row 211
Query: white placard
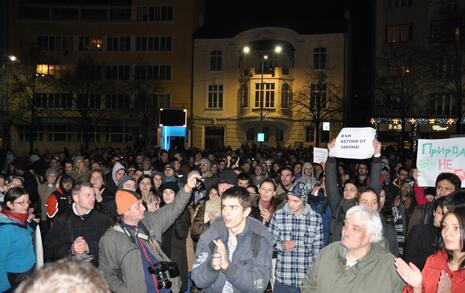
column 354, row 143
column 435, row 156
column 320, row 155
column 326, row 126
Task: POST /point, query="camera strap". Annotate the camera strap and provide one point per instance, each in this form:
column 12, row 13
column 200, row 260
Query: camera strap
column 141, row 235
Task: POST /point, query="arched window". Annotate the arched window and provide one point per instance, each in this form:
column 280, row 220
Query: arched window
column 279, row 135
column 319, row 58
column 216, row 61
column 250, row 135
column 285, row 95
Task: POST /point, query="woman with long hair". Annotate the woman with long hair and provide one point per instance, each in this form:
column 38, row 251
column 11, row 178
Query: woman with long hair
column 444, row 271
column 17, row 256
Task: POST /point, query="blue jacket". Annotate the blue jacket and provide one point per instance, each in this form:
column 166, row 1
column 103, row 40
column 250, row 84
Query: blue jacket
column 16, row 250
column 250, row 269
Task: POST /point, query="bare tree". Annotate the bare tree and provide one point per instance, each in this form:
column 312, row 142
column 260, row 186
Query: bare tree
column 25, row 83
column 401, row 82
column 320, row 101
column 86, row 86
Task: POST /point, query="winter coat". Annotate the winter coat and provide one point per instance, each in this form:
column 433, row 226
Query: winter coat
column 434, row 265
column 67, row 227
column 17, row 253
column 120, row 259
column 422, row 242
column 375, row 272
column 250, row 268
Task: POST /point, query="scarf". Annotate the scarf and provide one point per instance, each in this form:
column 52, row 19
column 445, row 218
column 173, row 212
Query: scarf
column 20, row 219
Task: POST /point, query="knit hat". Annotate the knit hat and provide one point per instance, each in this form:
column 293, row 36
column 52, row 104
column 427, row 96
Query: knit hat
column 205, row 161
column 123, row 180
column 170, row 185
column 50, row 171
column 228, row 176
column 125, row 199
column 300, row 190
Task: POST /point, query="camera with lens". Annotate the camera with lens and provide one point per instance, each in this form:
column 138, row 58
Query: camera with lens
column 163, row 271
column 200, row 184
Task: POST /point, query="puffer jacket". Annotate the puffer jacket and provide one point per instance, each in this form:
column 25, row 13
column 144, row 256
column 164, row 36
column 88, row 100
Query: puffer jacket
column 250, row 269
column 119, row 258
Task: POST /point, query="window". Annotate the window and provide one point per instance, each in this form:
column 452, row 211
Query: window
column 398, row 3
column 285, row 95
column 153, row 102
column 35, row 12
column 53, row 101
column 318, row 96
column 444, row 67
column 309, row 134
column 93, row 132
column 120, row 14
column 50, row 70
column 61, row 13
column 93, row 14
column 37, row 134
column 244, row 96
column 89, row 101
column 117, row 72
column 54, row 43
column 215, row 96
column 118, row 43
column 446, row 30
column 250, row 134
column 154, row 43
column 163, row 101
column 118, row 134
column 59, row 133
column 442, row 104
column 319, row 58
column 90, row 43
column 216, row 63
column 279, row 135
column 399, row 33
column 152, row 72
column 161, row 13
column 266, row 95
column 90, row 72
column 117, row 101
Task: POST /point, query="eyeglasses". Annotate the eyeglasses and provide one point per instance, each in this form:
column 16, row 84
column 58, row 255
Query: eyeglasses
column 22, row 203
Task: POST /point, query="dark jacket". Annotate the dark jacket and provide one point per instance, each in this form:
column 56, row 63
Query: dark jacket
column 68, row 226
column 250, row 269
column 422, row 242
column 339, row 204
column 174, row 245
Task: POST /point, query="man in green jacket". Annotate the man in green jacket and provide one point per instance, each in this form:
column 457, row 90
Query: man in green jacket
column 130, row 257
column 358, row 263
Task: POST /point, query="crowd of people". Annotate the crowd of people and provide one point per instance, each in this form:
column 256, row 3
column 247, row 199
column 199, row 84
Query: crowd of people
column 246, row 220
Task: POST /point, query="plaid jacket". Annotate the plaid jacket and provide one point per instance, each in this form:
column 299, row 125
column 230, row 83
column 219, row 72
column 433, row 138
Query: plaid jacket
column 306, row 230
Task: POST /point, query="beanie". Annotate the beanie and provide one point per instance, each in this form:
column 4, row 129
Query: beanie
column 170, row 185
column 300, row 190
column 125, row 199
column 125, row 179
column 228, row 176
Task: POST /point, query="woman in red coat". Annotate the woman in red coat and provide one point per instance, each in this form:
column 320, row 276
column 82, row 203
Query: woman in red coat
column 444, row 271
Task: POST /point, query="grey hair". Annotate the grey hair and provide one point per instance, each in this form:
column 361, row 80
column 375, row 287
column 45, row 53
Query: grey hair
column 373, row 221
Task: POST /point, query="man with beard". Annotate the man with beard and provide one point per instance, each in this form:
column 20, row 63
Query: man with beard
column 60, row 200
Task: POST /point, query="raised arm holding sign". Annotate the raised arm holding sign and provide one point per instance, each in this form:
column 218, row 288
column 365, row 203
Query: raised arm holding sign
column 354, row 143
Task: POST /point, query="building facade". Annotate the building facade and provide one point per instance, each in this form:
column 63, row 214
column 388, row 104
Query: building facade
column 267, row 84
column 122, row 62
column 419, row 50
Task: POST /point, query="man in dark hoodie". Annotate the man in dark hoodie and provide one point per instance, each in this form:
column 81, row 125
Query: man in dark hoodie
column 60, row 200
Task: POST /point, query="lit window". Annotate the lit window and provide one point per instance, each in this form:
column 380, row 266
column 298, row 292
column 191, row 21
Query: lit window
column 96, row 43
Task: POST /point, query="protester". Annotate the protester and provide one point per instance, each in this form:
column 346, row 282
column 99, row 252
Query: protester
column 298, row 235
column 358, row 263
column 76, row 233
column 444, row 271
column 234, row 254
column 17, row 256
column 130, row 257
column 65, row 276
